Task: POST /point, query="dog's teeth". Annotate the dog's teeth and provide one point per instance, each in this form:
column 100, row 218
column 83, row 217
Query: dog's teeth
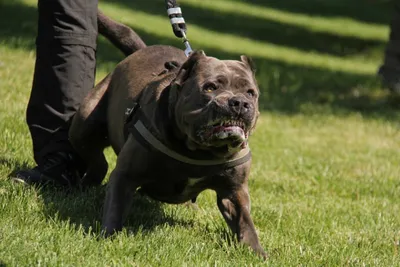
column 230, row 122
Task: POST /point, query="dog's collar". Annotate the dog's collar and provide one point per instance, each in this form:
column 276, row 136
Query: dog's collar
column 138, row 125
column 157, row 144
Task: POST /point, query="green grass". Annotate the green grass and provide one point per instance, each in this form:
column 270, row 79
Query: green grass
column 325, row 183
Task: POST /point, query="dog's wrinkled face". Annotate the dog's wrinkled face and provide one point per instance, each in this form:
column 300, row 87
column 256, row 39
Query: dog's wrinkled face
column 215, row 103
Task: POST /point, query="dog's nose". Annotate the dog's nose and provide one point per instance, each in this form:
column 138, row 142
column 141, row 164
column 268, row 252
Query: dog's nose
column 239, row 104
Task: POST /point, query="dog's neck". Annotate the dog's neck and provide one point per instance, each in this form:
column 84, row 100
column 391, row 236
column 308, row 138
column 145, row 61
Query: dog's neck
column 166, row 120
column 167, row 124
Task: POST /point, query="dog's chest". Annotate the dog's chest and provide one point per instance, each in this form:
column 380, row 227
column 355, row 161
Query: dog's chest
column 176, row 191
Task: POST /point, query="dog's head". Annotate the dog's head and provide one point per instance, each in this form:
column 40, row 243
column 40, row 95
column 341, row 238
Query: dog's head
column 215, row 103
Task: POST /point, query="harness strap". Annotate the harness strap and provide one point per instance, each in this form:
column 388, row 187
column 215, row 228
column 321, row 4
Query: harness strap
column 138, row 125
column 154, row 142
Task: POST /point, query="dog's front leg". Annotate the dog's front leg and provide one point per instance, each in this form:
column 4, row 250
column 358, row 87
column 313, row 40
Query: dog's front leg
column 118, row 201
column 235, row 208
column 124, row 180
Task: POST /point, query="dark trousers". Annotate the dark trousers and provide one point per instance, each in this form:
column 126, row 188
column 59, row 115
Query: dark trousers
column 64, row 71
column 392, row 52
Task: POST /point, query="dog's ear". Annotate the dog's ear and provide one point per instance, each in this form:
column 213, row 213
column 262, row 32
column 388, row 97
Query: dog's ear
column 181, row 77
column 187, row 67
column 249, row 63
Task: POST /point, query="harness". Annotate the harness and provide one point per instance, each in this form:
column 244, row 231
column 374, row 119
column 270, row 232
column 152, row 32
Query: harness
column 189, row 163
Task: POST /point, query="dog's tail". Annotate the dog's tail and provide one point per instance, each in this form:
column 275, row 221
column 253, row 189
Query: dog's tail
column 123, row 37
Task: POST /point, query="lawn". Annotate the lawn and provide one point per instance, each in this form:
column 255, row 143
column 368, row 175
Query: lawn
column 325, row 182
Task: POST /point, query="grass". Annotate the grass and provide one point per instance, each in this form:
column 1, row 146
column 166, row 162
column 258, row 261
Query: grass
column 325, row 183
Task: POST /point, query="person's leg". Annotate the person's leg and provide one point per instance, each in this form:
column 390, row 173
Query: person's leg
column 64, row 73
column 390, row 70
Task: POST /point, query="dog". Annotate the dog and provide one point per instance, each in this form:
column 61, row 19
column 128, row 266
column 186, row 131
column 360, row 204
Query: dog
column 179, row 125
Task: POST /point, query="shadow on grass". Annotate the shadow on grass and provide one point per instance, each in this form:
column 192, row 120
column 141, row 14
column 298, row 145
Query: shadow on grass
column 262, row 29
column 370, row 11
column 13, row 164
column 83, row 210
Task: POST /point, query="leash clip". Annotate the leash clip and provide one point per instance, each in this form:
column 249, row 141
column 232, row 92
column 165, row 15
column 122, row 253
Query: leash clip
column 188, row 48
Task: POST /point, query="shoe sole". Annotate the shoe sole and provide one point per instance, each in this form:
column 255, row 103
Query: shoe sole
column 19, row 180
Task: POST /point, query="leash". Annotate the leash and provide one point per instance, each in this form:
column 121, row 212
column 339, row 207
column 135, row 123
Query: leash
column 178, row 23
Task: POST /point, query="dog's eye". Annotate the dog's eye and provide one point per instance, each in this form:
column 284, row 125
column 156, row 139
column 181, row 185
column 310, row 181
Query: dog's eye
column 251, row 92
column 210, row 87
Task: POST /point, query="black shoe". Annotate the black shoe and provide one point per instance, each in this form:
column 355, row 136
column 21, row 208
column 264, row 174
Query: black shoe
column 58, row 169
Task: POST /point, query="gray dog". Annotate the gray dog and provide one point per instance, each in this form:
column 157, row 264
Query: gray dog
column 178, row 125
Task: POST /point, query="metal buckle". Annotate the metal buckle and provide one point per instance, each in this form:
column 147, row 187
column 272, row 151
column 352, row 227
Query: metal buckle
column 130, row 111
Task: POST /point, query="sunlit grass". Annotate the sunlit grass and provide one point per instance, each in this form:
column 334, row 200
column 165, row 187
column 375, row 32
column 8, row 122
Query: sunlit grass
column 325, row 183
column 341, row 26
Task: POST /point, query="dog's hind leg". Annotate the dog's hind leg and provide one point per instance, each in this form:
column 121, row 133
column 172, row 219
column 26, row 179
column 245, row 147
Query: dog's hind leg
column 88, row 133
